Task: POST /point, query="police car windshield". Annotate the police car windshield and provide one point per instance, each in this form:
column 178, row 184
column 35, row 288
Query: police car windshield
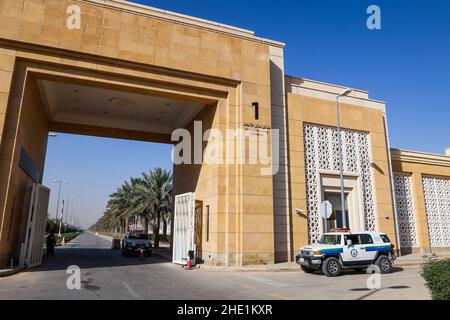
column 138, row 236
column 330, row 239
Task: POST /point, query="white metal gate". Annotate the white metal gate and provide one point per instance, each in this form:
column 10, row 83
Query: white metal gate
column 183, row 230
column 31, row 251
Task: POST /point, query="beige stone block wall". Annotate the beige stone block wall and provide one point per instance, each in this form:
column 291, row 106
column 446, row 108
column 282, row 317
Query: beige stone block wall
column 305, row 109
column 136, row 36
column 7, row 62
column 239, row 200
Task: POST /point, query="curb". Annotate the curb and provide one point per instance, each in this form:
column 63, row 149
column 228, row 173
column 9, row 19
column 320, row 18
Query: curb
column 412, row 263
column 104, row 237
column 9, row 272
column 408, row 264
column 224, row 269
column 415, row 262
column 287, row 269
column 294, row 268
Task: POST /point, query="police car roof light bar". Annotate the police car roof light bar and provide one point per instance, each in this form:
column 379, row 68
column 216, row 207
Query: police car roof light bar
column 340, row 230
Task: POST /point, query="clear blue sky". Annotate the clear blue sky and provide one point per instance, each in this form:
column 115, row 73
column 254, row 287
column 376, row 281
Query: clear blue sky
column 406, row 64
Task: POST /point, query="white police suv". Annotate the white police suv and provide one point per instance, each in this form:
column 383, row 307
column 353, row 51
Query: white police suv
column 342, row 249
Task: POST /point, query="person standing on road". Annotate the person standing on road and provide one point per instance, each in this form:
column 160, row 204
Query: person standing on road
column 51, row 243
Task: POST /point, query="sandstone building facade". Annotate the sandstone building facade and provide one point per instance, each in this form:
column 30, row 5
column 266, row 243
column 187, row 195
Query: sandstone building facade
column 135, row 72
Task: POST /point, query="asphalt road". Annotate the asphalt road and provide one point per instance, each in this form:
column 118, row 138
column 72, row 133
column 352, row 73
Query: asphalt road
column 106, row 274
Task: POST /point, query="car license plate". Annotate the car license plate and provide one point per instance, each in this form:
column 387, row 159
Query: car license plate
column 302, row 259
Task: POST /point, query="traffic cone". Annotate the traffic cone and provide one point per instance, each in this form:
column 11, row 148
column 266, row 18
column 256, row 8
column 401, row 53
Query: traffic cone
column 141, row 254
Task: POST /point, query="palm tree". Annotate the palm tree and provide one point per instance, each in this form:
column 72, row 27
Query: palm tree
column 149, row 198
column 157, row 192
column 166, row 218
column 124, row 203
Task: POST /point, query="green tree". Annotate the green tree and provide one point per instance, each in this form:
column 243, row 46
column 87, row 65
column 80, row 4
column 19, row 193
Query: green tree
column 156, row 192
column 149, row 198
column 122, row 205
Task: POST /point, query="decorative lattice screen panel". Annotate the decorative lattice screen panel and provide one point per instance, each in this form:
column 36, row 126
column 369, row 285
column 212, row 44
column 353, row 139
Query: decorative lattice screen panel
column 437, row 204
column 406, row 217
column 322, row 154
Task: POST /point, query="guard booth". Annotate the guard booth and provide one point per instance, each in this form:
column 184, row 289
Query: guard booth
column 187, row 228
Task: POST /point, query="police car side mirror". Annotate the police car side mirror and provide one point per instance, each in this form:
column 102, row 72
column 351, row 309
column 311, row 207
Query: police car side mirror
column 349, row 242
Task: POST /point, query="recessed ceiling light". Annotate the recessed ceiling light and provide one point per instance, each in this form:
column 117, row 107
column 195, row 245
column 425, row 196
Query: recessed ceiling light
column 119, row 102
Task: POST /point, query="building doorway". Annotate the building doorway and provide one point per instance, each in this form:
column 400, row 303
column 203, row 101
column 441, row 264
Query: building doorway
column 354, row 208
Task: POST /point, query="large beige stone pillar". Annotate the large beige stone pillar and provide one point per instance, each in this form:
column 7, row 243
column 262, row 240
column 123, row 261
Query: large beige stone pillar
column 7, row 60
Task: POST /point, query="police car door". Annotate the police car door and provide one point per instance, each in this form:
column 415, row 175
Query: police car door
column 366, row 241
column 354, row 252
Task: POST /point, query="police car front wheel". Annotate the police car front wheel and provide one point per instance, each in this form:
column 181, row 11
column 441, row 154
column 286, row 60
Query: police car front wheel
column 384, row 264
column 331, row 267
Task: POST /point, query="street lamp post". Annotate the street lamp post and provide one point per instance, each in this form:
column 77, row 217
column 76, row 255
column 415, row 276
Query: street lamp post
column 59, row 194
column 62, row 217
column 68, row 210
column 344, row 93
column 71, row 215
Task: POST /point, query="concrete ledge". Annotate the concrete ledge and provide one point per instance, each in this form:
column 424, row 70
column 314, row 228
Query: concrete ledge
column 404, row 261
column 418, row 259
column 280, row 267
column 8, row 272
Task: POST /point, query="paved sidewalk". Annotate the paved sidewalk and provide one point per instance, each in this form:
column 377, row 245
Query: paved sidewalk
column 417, row 258
column 279, row 267
column 403, row 261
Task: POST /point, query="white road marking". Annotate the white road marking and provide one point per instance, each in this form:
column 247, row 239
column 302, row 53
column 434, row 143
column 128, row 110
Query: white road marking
column 130, row 290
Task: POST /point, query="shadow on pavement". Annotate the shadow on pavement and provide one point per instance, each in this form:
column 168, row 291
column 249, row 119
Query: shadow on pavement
column 350, row 272
column 93, row 258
